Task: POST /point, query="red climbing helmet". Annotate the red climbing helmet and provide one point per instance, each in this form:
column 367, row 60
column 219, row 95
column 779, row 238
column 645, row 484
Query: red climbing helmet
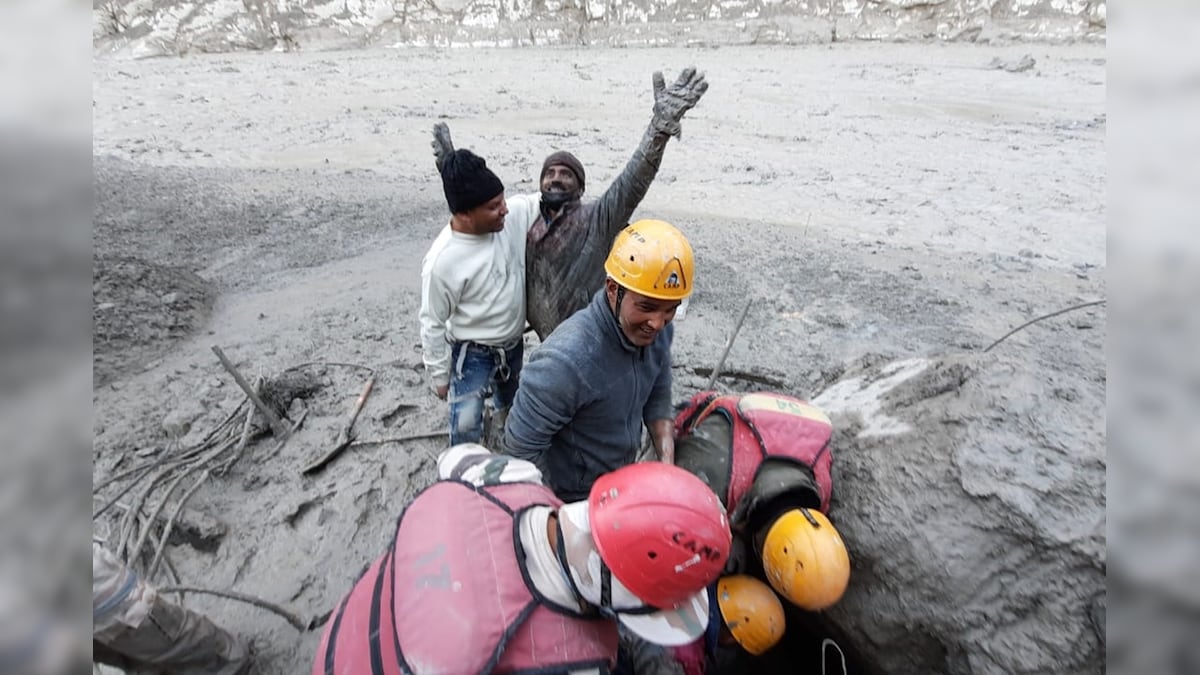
column 660, row 529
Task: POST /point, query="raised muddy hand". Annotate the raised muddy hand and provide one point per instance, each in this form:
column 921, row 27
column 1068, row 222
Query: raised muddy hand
column 442, row 146
column 670, row 104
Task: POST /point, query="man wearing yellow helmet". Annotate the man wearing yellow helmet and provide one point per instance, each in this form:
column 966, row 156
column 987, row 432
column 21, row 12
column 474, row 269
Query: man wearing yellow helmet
column 768, row 457
column 568, row 237
column 589, row 388
column 746, row 619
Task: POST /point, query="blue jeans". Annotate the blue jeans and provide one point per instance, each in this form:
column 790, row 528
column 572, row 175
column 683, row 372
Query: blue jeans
column 478, row 372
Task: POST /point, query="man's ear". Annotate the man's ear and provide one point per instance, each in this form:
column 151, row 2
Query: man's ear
column 610, row 291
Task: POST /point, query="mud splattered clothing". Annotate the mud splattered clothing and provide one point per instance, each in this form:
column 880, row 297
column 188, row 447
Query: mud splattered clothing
column 135, row 629
column 584, row 397
column 565, row 255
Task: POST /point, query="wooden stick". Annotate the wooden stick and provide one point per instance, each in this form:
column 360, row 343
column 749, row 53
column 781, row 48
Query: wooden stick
column 141, row 468
column 277, row 426
column 358, row 406
column 144, row 471
column 247, row 426
column 248, row 423
column 162, row 543
column 174, row 574
column 728, row 345
column 145, row 534
column 403, row 439
column 242, row 597
column 331, row 363
column 212, row 434
column 295, row 426
column 161, row 474
column 346, row 434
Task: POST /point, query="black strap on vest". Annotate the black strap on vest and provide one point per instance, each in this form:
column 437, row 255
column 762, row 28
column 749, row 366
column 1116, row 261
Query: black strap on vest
column 605, row 586
column 606, row 609
column 560, row 552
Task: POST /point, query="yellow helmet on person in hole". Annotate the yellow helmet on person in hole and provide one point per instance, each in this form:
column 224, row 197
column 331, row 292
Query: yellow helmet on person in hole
column 751, row 611
column 653, row 258
column 805, row 559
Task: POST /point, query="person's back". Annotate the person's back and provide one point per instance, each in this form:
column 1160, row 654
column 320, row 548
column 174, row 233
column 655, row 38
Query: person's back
column 418, row 607
column 488, row 572
column 768, row 456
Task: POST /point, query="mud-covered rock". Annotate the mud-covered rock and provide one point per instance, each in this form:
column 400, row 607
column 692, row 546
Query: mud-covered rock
column 972, row 498
column 140, row 309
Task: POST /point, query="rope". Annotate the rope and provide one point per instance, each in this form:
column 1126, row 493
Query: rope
column 1042, row 318
column 825, row 643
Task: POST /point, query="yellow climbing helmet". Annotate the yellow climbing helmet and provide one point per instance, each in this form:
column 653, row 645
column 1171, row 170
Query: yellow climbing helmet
column 652, row 257
column 752, row 612
column 806, row 560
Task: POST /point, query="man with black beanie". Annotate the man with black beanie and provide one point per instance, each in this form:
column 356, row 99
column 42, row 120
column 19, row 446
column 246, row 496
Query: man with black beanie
column 473, row 295
column 569, row 240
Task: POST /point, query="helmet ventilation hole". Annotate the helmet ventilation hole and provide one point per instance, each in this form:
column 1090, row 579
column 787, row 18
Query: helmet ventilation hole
column 652, row 555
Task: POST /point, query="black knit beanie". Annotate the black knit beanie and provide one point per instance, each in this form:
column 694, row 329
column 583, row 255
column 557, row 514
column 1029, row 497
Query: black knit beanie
column 468, row 182
column 568, row 160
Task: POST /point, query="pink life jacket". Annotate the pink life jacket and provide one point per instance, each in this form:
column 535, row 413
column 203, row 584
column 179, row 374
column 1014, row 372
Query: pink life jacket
column 450, row 596
column 765, row 425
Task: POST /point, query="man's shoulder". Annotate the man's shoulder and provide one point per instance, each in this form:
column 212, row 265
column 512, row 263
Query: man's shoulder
column 527, row 200
column 577, row 332
column 523, row 210
column 437, row 249
column 576, row 345
column 475, row 464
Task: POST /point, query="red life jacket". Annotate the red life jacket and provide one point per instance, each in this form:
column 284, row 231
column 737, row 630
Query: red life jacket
column 691, row 657
column 449, row 596
column 765, row 425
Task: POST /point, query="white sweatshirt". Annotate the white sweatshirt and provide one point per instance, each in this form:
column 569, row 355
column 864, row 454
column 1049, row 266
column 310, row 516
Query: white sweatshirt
column 473, row 288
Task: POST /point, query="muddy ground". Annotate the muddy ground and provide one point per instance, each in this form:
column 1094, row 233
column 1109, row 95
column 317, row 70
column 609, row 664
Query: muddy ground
column 871, row 200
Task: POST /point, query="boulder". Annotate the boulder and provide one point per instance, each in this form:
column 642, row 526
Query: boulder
column 970, row 490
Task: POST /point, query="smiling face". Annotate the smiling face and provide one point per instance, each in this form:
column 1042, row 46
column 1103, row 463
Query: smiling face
column 558, row 179
column 641, row 317
column 488, row 216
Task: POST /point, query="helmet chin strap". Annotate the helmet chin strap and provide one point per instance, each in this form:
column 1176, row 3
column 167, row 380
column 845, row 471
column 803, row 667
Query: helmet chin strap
column 616, row 310
column 560, row 551
column 605, row 609
column 606, row 606
column 606, row 591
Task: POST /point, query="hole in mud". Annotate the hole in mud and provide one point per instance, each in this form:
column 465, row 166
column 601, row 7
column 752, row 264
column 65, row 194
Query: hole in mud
column 804, row 639
column 800, row 650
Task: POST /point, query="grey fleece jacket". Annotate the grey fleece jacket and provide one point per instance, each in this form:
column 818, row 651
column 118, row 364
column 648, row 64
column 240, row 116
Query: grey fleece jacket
column 583, row 397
